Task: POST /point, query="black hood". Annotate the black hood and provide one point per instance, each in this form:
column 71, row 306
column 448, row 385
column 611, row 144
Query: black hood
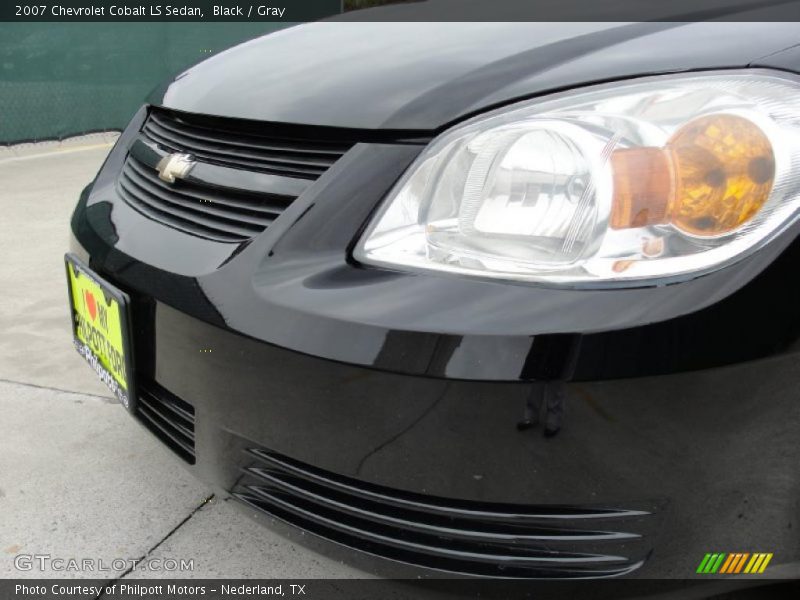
column 423, row 76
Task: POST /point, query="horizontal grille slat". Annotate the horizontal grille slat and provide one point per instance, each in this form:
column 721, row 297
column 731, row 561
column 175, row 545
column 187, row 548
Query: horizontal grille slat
column 486, row 512
column 237, row 145
column 443, row 560
column 237, row 216
column 272, row 156
column 180, row 409
column 168, row 417
column 468, row 537
column 180, row 426
column 195, row 222
column 241, row 161
column 476, row 530
column 271, row 205
column 241, row 139
column 493, row 555
column 215, row 200
column 185, row 225
column 154, row 420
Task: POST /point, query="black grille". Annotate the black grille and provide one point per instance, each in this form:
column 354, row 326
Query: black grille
column 168, row 417
column 245, row 174
column 221, row 214
column 476, row 538
column 231, row 143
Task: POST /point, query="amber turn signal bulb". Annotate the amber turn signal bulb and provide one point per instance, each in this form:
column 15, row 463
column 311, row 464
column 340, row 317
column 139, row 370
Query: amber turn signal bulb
column 713, row 176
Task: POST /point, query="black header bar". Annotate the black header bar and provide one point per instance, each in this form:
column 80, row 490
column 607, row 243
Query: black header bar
column 399, row 10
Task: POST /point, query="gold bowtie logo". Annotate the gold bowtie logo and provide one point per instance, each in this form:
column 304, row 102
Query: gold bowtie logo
column 174, row 166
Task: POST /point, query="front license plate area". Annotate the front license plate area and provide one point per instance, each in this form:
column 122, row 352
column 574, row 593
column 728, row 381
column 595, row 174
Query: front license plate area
column 101, row 328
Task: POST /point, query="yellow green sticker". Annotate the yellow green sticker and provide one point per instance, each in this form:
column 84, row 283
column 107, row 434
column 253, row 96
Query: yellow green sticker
column 98, row 330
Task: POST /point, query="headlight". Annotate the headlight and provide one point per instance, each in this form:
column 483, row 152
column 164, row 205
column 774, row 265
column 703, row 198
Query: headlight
column 664, row 177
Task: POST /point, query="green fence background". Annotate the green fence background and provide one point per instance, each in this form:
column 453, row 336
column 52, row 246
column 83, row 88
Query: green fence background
column 63, row 79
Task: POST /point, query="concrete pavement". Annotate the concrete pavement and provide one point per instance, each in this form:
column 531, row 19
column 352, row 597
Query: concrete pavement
column 78, row 477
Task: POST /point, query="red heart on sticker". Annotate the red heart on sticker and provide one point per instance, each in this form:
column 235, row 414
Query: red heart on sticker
column 90, row 303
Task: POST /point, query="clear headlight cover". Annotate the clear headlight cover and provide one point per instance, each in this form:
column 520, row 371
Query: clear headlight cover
column 665, row 177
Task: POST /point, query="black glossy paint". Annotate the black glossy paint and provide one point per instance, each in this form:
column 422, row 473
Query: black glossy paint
column 422, row 76
column 416, row 382
column 295, row 285
column 673, row 447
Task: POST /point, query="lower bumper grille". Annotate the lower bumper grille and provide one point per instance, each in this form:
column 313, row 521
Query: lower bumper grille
column 168, row 417
column 476, row 538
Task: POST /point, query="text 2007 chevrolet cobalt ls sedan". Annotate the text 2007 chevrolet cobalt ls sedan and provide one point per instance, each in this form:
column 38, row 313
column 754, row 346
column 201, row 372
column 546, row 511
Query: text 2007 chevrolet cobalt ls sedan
column 513, row 300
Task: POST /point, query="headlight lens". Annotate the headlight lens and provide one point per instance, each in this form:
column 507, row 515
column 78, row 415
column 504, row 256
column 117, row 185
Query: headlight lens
column 649, row 180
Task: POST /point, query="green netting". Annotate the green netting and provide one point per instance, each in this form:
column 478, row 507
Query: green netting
column 62, row 79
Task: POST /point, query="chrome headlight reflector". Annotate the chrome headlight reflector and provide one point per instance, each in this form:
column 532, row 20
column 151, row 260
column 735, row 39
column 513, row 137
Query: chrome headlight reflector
column 618, row 184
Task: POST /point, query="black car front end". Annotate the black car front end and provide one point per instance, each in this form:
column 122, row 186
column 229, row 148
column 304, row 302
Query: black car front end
column 450, row 424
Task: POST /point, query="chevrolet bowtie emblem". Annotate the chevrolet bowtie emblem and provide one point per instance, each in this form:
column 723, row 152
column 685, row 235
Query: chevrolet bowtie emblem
column 174, row 166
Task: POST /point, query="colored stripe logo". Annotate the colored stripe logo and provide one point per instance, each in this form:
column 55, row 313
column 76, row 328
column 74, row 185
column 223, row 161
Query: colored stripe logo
column 734, row 563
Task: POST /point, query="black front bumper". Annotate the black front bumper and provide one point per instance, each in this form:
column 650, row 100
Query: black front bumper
column 435, row 472
column 380, row 410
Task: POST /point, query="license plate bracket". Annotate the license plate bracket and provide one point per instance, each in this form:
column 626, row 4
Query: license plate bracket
column 100, row 314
